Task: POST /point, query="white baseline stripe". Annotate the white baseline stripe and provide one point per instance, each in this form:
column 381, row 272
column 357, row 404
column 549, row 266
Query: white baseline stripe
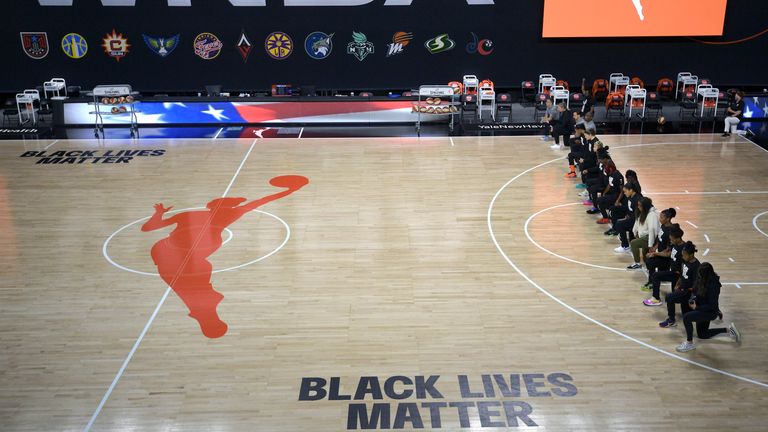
column 706, row 237
column 218, row 133
column 151, row 320
column 301, row 132
column 50, row 145
column 451, row 141
column 706, row 252
column 691, row 224
column 576, row 311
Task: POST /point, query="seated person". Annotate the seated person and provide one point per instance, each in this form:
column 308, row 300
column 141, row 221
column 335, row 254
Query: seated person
column 704, row 305
column 563, row 128
column 619, row 208
column 624, row 224
column 551, row 116
column 646, row 229
column 610, row 196
column 675, row 254
column 597, row 188
column 657, row 258
column 682, row 292
column 577, row 148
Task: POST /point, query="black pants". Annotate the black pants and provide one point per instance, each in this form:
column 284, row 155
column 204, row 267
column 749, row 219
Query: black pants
column 675, row 297
column 558, row 131
column 606, row 202
column 662, row 276
column 624, row 228
column 617, row 212
column 655, row 264
column 702, row 320
column 577, row 151
column 594, row 191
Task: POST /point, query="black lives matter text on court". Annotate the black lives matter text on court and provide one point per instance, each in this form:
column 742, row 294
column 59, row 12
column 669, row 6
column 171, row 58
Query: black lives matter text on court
column 80, row 157
column 420, row 401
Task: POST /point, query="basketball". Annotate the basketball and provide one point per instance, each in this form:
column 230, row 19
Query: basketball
column 661, row 120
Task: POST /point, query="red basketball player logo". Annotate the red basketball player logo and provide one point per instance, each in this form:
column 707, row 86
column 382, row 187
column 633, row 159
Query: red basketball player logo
column 182, row 257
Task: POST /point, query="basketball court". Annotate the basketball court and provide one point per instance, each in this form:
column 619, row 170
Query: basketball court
column 465, row 267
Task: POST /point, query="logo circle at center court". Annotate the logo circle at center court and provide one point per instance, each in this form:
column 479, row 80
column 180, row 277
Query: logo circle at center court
column 279, row 45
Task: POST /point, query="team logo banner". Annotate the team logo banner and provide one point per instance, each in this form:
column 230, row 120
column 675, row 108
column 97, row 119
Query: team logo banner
column 360, row 47
column 207, row 46
column 162, row 46
column 399, row 41
column 35, row 44
column 439, row 44
column 115, row 45
column 244, row 46
column 74, row 46
column 279, row 45
column 318, row 45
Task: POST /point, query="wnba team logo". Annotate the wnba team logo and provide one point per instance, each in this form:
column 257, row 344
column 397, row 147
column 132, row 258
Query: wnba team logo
column 279, row 45
column 74, row 46
column 35, row 45
column 115, row 45
column 207, row 46
column 318, row 45
column 182, row 257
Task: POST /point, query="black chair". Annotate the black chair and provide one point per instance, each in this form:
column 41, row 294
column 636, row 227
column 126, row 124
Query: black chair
column 213, row 90
column 614, row 105
column 723, row 101
column 10, row 112
column 576, row 101
column 540, row 106
column 653, row 105
column 527, row 92
column 73, row 91
column 688, row 104
column 468, row 109
column 503, row 108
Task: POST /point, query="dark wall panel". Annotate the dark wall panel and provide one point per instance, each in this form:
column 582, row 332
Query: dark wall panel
column 514, row 26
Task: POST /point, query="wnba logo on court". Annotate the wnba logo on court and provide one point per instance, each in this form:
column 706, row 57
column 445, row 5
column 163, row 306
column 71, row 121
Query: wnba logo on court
column 182, row 257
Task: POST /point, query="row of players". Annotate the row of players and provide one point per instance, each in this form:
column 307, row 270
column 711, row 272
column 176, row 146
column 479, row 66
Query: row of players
column 655, row 242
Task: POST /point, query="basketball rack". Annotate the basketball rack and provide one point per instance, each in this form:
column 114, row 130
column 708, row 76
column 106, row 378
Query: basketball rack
column 635, row 98
column 559, row 93
column 56, row 86
column 471, row 84
column 25, row 104
column 708, row 98
column 685, row 80
column 447, row 103
column 546, row 82
column 121, row 100
column 615, row 80
column 486, row 95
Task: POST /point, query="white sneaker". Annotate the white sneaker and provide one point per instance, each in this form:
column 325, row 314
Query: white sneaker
column 584, row 194
column 685, row 347
column 554, row 146
column 734, row 333
column 545, row 138
column 621, row 249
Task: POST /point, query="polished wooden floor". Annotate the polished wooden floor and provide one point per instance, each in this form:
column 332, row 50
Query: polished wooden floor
column 406, row 257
